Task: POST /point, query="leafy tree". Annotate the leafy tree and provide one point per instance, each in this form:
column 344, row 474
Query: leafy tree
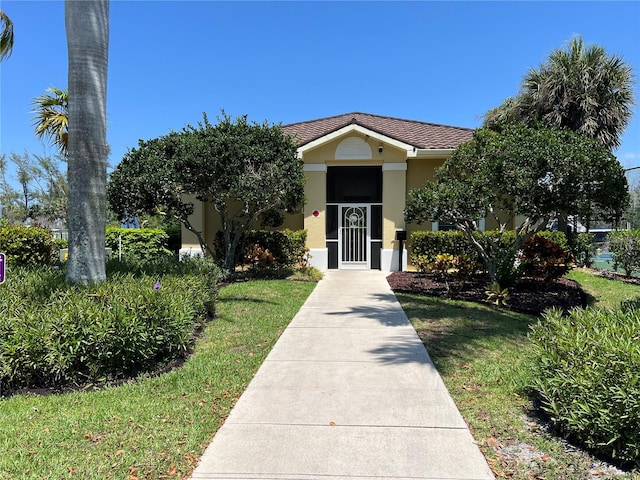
column 52, row 117
column 247, row 172
column 42, row 193
column 146, row 182
column 625, row 247
column 535, row 173
column 9, row 196
column 87, row 26
column 580, row 88
column 6, row 36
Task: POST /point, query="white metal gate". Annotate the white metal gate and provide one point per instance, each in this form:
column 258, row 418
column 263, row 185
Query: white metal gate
column 354, row 236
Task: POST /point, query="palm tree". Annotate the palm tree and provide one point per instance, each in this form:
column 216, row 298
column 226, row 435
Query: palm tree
column 580, row 88
column 52, row 117
column 6, row 36
column 87, row 25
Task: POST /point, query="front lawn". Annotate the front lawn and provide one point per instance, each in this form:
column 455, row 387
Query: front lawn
column 153, row 427
column 482, row 354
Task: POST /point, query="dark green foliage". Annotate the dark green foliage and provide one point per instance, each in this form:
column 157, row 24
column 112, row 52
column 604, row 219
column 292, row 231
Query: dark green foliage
column 543, row 259
column 557, row 238
column 582, row 248
column 534, row 174
column 426, row 246
column 625, row 247
column 60, row 243
column 248, row 173
column 27, row 245
column 142, row 243
column 587, row 374
column 630, row 305
column 54, row 334
column 269, row 249
column 581, row 88
column 287, row 246
column 174, row 242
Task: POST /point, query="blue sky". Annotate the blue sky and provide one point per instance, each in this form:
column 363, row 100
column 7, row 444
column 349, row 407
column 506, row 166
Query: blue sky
column 285, row 62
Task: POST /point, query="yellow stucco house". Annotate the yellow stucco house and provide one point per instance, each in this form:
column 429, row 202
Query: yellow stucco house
column 359, row 168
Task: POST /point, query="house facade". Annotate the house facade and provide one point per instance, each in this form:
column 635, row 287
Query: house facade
column 359, row 169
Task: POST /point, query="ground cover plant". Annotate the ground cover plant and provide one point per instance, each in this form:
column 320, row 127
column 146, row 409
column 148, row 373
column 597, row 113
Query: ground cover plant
column 484, row 356
column 55, row 335
column 153, row 427
column 588, row 377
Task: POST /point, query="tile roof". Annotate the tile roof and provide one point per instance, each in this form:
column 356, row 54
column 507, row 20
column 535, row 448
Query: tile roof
column 421, row 135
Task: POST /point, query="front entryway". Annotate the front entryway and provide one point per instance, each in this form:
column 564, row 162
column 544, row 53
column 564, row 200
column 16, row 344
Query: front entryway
column 354, row 217
column 354, row 236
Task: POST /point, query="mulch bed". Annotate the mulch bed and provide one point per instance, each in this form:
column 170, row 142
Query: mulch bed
column 528, row 295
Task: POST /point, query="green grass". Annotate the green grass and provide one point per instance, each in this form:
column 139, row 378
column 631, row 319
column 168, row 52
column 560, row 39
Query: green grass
column 604, row 292
column 482, row 355
column 153, row 427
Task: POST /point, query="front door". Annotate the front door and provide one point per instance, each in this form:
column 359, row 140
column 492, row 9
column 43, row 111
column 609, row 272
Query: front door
column 354, row 235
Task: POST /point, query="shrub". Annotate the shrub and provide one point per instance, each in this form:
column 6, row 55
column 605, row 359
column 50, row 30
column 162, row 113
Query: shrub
column 141, row 243
column 497, row 295
column 55, row 334
column 426, row 246
column 556, row 237
column 27, row 245
column 542, row 258
column 582, row 248
column 258, row 257
column 587, row 377
column 625, row 247
column 60, row 243
column 174, row 241
column 287, row 247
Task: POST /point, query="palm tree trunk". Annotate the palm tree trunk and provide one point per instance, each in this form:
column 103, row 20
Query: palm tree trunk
column 87, row 25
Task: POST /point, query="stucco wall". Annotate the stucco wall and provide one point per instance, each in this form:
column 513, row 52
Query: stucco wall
column 315, row 200
column 419, row 172
column 189, row 239
column 400, row 175
column 393, row 203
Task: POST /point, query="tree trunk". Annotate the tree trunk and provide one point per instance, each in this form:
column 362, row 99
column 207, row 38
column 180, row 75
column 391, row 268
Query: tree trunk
column 87, row 25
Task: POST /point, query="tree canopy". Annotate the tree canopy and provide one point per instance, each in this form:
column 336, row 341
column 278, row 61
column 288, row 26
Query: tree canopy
column 535, row 173
column 51, row 117
column 248, row 172
column 41, row 195
column 6, row 36
column 581, row 88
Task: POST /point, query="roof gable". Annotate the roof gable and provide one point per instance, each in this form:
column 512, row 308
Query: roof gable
column 421, row 135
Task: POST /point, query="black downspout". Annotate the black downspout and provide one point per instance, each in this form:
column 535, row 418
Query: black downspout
column 401, row 236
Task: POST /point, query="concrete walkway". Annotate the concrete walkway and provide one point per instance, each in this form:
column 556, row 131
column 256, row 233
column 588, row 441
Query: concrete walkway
column 350, row 392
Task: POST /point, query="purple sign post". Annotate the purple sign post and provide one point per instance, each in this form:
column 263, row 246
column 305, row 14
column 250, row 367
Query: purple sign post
column 2, row 267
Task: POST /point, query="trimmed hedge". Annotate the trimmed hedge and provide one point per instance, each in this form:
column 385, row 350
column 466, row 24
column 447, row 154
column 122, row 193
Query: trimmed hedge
column 53, row 334
column 269, row 249
column 426, row 245
column 27, row 245
column 142, row 243
column 587, row 375
column 288, row 247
